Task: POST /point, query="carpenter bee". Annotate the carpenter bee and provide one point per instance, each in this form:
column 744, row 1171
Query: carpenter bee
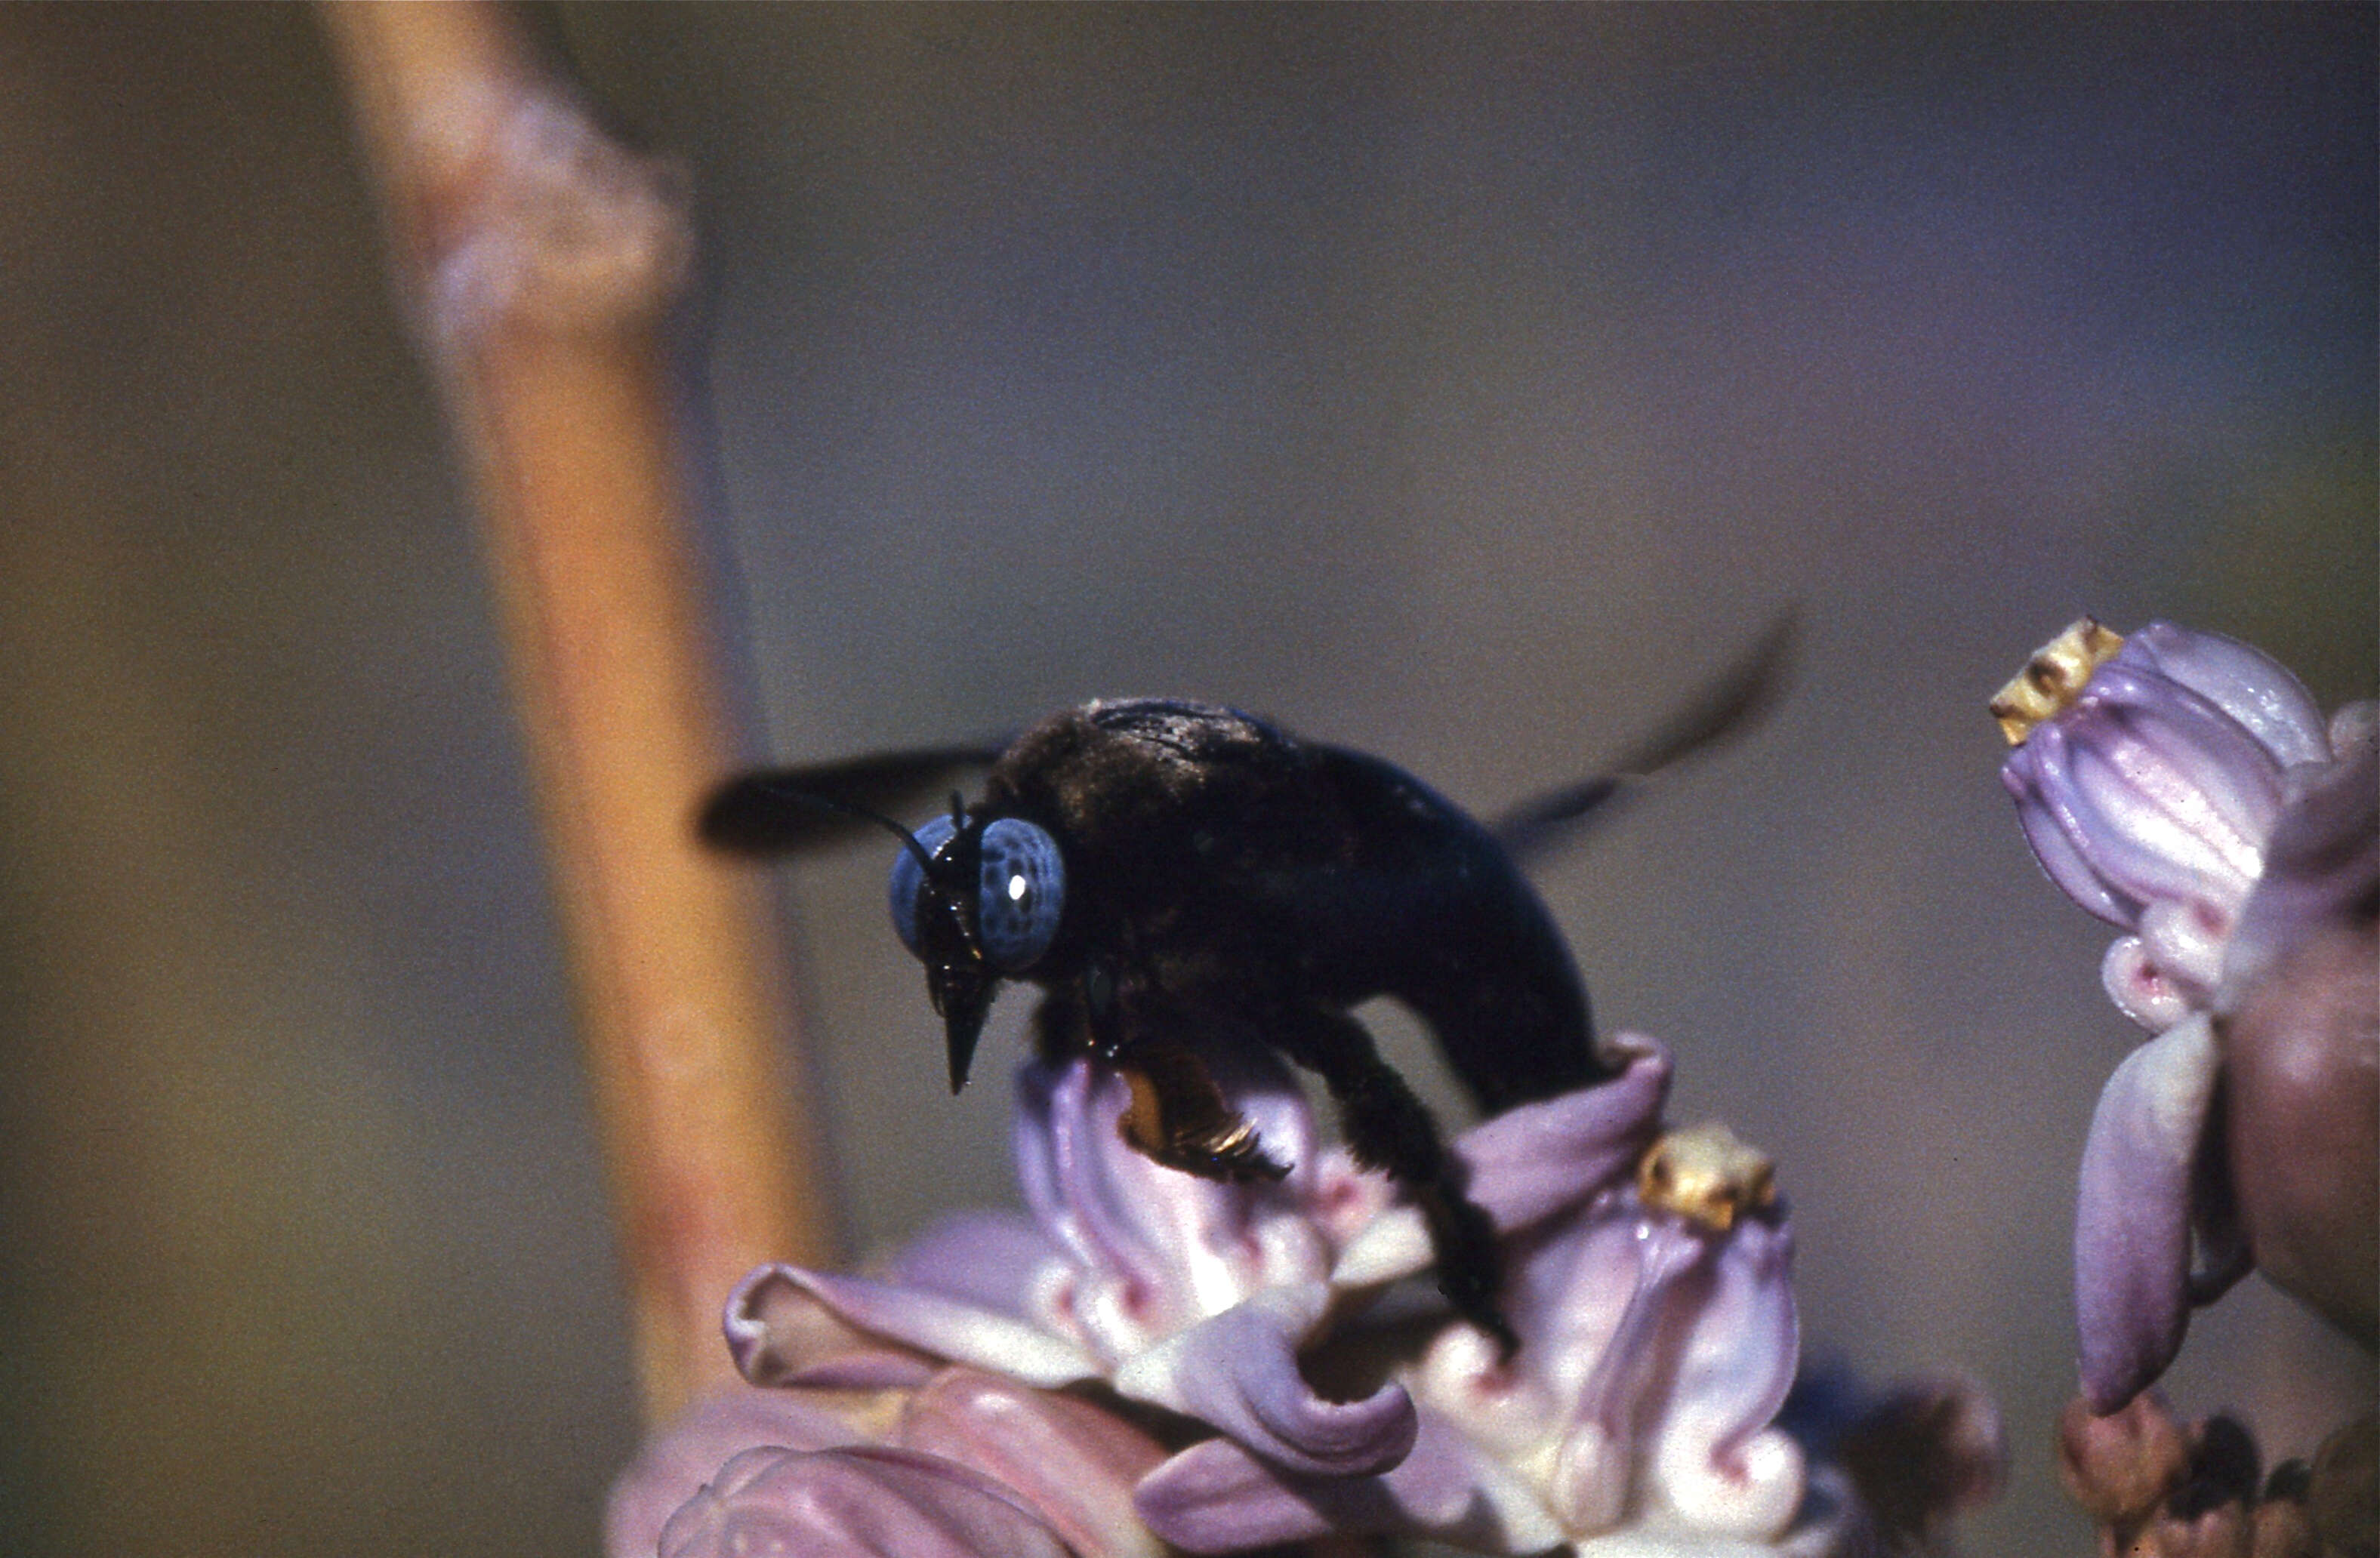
column 1177, row 877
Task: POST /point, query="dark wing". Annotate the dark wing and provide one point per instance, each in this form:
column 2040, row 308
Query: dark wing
column 1741, row 697
column 786, row 811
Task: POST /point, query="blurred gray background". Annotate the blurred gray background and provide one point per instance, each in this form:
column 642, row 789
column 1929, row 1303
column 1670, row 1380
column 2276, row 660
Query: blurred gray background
column 1460, row 384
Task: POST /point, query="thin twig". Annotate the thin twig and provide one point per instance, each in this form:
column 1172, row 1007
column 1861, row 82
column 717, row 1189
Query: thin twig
column 540, row 261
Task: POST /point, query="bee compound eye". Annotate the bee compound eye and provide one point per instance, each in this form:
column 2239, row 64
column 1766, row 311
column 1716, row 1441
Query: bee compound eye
column 909, row 879
column 1022, row 893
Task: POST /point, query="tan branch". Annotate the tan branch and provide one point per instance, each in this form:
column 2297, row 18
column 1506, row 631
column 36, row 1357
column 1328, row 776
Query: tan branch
column 540, row 261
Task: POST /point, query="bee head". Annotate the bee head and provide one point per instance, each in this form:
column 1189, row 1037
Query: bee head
column 977, row 899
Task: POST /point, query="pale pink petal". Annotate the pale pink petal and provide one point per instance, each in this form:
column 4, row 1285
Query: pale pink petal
column 2185, row 937
column 1072, row 1463
column 855, row 1502
column 988, row 1258
column 1239, row 1373
column 1153, row 1249
column 1590, row 1487
column 2131, row 1214
column 1717, row 1461
column 2144, row 791
column 676, row 1462
column 1567, row 1298
column 1073, row 1113
column 2164, row 747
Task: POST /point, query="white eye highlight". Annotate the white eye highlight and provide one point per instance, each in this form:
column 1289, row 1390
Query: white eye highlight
column 909, row 879
column 1021, row 894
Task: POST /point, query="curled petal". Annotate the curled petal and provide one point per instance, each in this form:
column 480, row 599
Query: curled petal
column 932, row 1322
column 2211, row 773
column 780, row 1335
column 1216, row 1497
column 1239, row 1371
column 1568, row 1299
column 2185, row 938
column 855, row 1502
column 676, row 1462
column 2131, row 1214
column 1072, row 1463
column 2142, row 990
column 1716, row 1461
column 2246, row 683
column 2142, row 791
column 1533, row 1161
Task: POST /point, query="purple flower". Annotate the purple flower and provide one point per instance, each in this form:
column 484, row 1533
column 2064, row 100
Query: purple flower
column 1655, row 1308
column 1179, row 1292
column 1649, row 1278
column 2185, row 788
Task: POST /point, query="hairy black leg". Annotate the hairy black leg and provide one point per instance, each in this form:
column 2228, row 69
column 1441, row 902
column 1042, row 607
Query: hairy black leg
column 1390, row 1129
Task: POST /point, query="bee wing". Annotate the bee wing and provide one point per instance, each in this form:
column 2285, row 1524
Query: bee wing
column 790, row 811
column 1739, row 698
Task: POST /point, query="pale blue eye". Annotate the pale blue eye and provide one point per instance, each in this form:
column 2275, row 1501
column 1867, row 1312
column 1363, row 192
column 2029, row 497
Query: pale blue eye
column 1023, row 892
column 909, row 879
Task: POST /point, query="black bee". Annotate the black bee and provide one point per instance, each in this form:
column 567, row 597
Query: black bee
column 1179, row 877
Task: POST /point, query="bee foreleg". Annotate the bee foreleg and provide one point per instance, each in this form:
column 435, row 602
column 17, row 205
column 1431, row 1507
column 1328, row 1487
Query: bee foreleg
column 1180, row 1117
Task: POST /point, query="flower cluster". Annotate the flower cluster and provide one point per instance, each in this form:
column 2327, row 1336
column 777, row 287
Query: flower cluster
column 1034, row 1370
column 2186, row 789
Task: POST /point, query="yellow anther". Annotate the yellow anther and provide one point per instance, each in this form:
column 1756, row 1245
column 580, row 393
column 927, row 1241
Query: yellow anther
column 2058, row 673
column 1706, row 1174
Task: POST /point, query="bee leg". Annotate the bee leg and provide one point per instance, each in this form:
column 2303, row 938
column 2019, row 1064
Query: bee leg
column 1179, row 1117
column 1390, row 1129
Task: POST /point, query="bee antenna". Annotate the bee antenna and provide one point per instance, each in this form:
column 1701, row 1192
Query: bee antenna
column 853, row 809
